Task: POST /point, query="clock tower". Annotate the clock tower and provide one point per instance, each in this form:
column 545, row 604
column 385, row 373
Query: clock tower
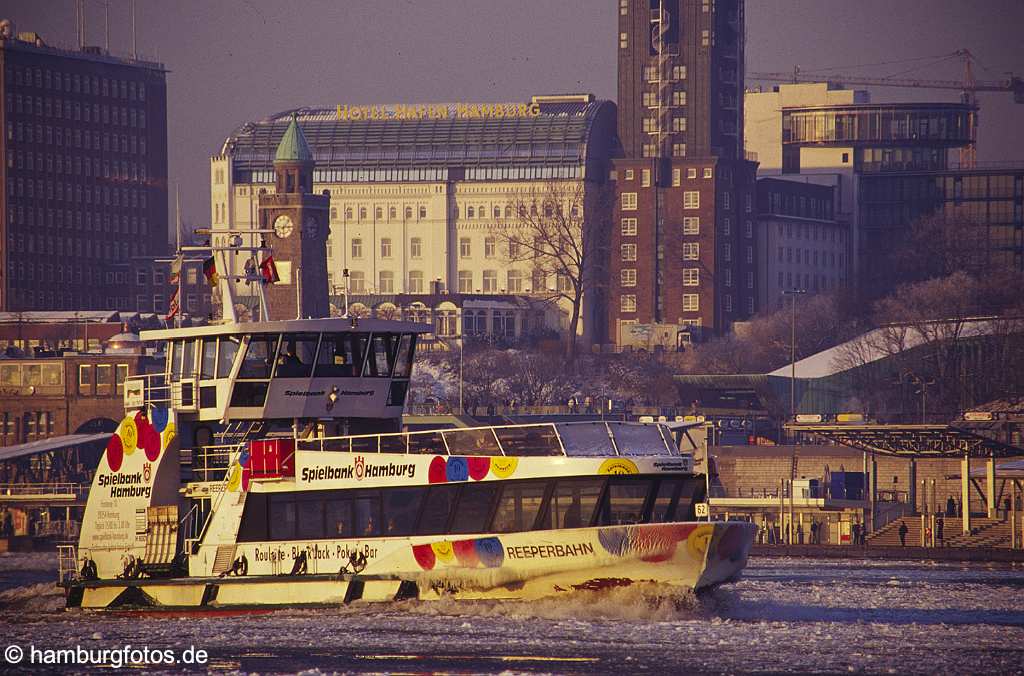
column 299, row 220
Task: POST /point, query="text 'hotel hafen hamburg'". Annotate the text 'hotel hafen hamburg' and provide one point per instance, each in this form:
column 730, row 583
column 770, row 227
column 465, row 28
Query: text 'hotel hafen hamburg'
column 419, row 197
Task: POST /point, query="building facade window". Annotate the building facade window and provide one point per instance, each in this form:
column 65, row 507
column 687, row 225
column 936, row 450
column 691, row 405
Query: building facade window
column 629, row 226
column 691, row 225
column 357, row 248
column 627, row 277
column 465, row 281
column 385, row 247
column 627, row 302
column 691, row 199
column 464, row 247
column 415, row 281
column 490, row 247
column 515, row 281
column 691, row 251
column 691, row 302
column 628, row 252
column 490, row 281
column 691, row 276
column 629, row 201
column 416, row 248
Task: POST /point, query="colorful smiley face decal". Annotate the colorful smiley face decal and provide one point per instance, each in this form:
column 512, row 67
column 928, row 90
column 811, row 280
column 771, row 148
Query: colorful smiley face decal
column 436, row 473
column 618, row 466
column 129, row 434
column 444, row 551
column 503, row 467
column 698, row 541
column 478, row 467
column 115, row 453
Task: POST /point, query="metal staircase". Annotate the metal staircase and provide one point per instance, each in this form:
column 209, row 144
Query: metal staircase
column 239, row 431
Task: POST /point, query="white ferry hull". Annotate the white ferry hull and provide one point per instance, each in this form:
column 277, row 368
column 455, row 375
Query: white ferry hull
column 524, row 565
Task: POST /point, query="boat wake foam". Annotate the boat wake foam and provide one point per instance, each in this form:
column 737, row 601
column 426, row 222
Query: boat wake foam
column 35, row 599
column 638, row 602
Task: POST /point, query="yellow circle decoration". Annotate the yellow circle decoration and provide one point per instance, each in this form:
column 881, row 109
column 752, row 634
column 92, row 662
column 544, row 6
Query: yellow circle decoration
column 503, row 467
column 168, row 435
column 444, row 551
column 235, row 480
column 618, row 466
column 129, row 435
column 699, row 540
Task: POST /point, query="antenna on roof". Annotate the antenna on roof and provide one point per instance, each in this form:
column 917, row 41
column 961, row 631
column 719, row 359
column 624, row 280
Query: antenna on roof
column 106, row 24
column 135, row 50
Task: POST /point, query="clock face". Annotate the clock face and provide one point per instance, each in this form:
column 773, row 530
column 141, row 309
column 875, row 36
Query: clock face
column 283, row 226
column 310, row 229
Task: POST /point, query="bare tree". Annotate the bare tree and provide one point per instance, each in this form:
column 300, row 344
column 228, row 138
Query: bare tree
column 559, row 231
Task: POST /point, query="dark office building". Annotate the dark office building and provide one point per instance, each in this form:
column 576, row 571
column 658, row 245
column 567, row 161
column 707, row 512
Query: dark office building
column 981, row 211
column 83, row 183
column 683, row 241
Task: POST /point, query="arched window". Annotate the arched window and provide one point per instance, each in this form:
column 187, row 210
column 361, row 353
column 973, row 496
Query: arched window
column 392, row 213
column 470, row 212
column 497, row 212
column 508, row 211
column 408, row 212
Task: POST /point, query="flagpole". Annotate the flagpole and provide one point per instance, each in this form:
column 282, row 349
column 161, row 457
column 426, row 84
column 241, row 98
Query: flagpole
column 177, row 228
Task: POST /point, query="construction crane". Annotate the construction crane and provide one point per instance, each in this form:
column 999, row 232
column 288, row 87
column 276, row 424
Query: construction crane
column 968, row 87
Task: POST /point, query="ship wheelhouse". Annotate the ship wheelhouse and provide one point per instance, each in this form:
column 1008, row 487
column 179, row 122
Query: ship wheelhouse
column 321, row 369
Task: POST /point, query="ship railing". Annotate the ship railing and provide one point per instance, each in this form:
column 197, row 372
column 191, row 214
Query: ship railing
column 56, row 529
column 190, row 526
column 69, row 491
column 589, row 438
column 67, row 564
column 155, row 388
column 211, row 463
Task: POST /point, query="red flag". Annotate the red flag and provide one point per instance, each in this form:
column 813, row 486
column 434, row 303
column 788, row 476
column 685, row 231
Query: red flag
column 173, row 306
column 269, row 270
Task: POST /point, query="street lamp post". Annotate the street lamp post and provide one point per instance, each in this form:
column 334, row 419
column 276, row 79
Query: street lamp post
column 792, row 293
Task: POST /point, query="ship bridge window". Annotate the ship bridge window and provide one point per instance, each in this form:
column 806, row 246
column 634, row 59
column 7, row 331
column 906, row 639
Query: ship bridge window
column 188, row 360
column 586, row 439
column 295, row 358
column 572, row 503
column 639, row 439
column 208, row 361
column 309, row 514
column 532, row 440
column 341, row 355
column 227, row 348
column 406, row 348
column 381, row 360
column 259, row 357
column 427, row 442
column 174, row 359
column 472, row 442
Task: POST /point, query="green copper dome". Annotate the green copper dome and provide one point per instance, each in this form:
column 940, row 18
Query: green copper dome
column 293, row 146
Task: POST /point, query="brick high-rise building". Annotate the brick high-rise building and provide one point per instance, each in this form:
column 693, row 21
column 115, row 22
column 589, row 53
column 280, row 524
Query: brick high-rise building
column 83, row 181
column 683, row 242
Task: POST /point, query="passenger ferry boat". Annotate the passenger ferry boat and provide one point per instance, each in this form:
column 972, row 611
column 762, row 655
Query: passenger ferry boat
column 266, row 466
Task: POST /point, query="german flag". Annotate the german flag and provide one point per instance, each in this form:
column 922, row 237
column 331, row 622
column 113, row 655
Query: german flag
column 210, row 270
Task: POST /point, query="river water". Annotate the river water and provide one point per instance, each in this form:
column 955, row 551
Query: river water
column 785, row 615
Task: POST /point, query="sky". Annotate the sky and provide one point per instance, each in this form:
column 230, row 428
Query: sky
column 232, row 61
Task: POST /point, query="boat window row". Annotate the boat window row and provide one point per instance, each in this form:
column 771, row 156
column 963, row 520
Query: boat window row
column 294, row 355
column 469, row 508
column 583, row 439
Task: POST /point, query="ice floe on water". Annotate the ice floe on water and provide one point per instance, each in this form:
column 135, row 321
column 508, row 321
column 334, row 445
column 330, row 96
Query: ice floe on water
column 785, row 615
